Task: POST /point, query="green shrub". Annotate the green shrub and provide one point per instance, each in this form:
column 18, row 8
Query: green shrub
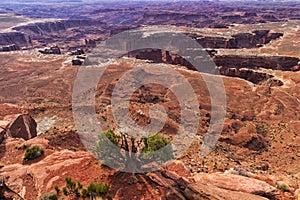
column 102, row 189
column 109, row 197
column 283, row 186
column 154, row 142
column 65, row 191
column 71, row 187
column 106, row 151
column 113, row 137
column 149, row 149
column 154, row 148
column 51, row 196
column 33, row 152
column 98, row 189
column 70, row 183
column 57, row 189
column 91, row 188
column 84, row 192
column 94, row 190
column 79, row 185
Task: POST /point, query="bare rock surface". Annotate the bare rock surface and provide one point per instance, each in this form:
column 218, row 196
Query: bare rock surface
column 198, row 191
column 238, row 183
column 41, row 173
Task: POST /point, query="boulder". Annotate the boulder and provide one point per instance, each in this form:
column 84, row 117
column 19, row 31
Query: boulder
column 23, row 126
column 238, row 183
column 246, row 138
column 8, row 113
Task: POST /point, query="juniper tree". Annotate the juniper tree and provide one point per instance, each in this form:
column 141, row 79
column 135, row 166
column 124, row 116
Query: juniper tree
column 131, row 154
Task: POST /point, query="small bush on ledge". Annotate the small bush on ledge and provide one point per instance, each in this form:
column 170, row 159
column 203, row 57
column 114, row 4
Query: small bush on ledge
column 33, row 152
column 98, row 190
column 51, row 196
column 93, row 191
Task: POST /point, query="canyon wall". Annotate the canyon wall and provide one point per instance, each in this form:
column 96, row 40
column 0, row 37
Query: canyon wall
column 285, row 63
column 242, row 40
column 53, row 27
column 15, row 38
column 251, row 75
column 254, row 62
column 229, row 65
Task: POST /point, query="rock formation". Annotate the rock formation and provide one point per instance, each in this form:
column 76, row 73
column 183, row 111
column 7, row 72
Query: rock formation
column 23, row 126
column 251, row 75
column 11, row 47
column 6, row 193
column 199, row 191
column 2, row 132
column 154, row 55
column 77, row 52
column 229, row 65
column 51, row 50
column 43, row 173
column 247, row 138
column 242, row 40
column 8, row 113
column 284, row 63
column 238, row 183
column 90, row 43
column 77, row 62
column 214, row 186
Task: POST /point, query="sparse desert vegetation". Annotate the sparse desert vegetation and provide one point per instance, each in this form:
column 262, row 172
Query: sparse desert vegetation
column 33, row 152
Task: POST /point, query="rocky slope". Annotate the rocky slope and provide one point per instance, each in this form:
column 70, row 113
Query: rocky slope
column 31, row 180
column 261, row 125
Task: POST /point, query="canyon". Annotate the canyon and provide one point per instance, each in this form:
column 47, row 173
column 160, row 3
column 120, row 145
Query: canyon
column 255, row 50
